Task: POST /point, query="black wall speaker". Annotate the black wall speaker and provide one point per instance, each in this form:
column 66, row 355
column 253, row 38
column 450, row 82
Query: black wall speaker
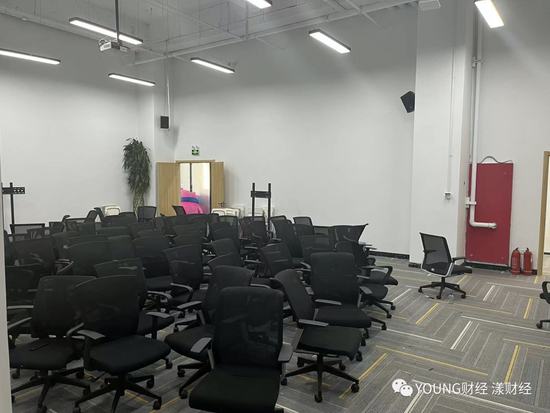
column 408, row 101
column 164, row 122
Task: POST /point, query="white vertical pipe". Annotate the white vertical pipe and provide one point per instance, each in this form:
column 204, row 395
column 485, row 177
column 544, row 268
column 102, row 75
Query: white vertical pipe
column 473, row 184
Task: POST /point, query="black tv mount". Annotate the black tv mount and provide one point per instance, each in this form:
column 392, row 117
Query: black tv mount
column 11, row 191
column 262, row 194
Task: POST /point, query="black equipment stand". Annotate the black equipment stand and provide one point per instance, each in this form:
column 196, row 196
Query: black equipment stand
column 11, row 191
column 262, row 194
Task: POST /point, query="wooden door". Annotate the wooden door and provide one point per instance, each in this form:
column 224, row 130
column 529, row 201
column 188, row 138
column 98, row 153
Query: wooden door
column 217, row 187
column 168, row 184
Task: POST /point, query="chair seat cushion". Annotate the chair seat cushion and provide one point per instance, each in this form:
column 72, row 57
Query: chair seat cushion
column 182, row 341
column 159, row 283
column 127, row 354
column 376, row 277
column 54, row 355
column 344, row 316
column 145, row 325
column 378, row 291
column 339, row 341
column 237, row 389
column 461, row 269
column 198, row 295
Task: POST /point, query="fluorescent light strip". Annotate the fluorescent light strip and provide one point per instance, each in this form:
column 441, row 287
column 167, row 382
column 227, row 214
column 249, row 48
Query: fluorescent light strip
column 131, row 79
column 28, row 56
column 104, row 30
column 261, row 4
column 212, row 65
column 489, row 11
column 329, row 41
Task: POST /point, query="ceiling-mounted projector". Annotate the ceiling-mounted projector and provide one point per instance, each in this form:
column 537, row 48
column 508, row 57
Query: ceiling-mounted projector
column 113, row 47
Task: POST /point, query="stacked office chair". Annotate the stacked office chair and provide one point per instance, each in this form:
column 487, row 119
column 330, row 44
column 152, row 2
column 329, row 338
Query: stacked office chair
column 179, row 210
column 74, row 224
column 122, row 247
column 247, row 353
column 232, row 233
column 146, row 213
column 53, row 320
column 157, row 269
column 140, row 226
column 23, row 228
column 43, row 232
column 303, row 221
column 183, row 342
column 232, row 219
column 84, row 256
column 316, row 337
column 36, row 251
column 201, row 221
column 438, row 261
column 227, row 254
column 187, row 271
column 214, row 226
column 110, row 317
column 286, row 232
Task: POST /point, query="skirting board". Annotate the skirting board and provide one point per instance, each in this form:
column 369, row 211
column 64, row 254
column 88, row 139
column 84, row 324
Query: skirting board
column 479, row 265
column 389, row 254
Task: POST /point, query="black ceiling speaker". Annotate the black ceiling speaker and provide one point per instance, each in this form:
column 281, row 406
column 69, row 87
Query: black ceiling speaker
column 164, row 122
column 408, row 101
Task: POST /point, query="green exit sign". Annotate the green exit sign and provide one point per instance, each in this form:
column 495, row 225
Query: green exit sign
column 195, row 151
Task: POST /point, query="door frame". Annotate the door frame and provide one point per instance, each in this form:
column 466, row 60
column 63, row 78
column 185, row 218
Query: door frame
column 196, row 161
column 543, row 206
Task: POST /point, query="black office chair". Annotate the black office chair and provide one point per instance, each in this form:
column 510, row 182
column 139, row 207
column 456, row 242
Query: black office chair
column 346, row 233
column 311, row 244
column 61, row 241
column 140, row 226
column 114, row 231
column 286, row 232
column 213, row 217
column 43, row 232
column 20, row 281
column 245, row 222
column 110, row 316
column 187, row 271
column 276, row 220
column 545, row 295
column 122, row 247
column 150, row 233
column 247, row 353
column 83, row 257
column 232, row 233
column 232, row 219
column 277, row 258
column 304, row 230
column 159, row 224
column 201, row 221
column 227, row 254
column 171, row 222
column 157, row 269
column 36, row 251
column 23, row 228
column 187, row 229
column 54, row 318
column 183, row 342
column 214, row 226
column 146, row 213
column 122, row 220
column 438, row 261
column 74, row 224
column 91, row 216
column 82, row 239
column 303, row 221
column 317, row 337
column 258, row 228
column 179, row 210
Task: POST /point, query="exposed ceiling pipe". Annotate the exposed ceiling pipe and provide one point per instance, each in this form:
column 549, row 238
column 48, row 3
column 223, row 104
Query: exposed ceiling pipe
column 356, row 7
column 308, row 22
column 334, row 4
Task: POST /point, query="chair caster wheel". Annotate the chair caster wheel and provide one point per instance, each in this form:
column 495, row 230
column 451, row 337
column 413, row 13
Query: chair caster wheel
column 157, row 405
column 80, row 375
column 388, row 315
column 150, row 383
column 301, row 363
column 363, row 342
column 359, row 357
column 43, row 409
column 77, row 410
column 393, row 307
column 184, row 394
column 384, row 327
column 318, row 398
column 463, row 296
column 284, row 382
column 16, row 374
column 354, row 388
column 86, row 392
column 169, row 364
column 439, row 297
column 539, row 325
column 420, row 290
column 342, row 366
column 181, row 373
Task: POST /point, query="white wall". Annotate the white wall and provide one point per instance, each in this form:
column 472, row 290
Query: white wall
column 547, row 230
column 515, row 121
column 63, row 126
column 327, row 130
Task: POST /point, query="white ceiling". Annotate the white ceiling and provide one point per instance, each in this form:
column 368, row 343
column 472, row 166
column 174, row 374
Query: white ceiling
column 182, row 26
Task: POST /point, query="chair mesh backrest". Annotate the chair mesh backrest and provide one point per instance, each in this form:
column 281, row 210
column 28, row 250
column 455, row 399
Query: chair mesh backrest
column 43, row 232
column 304, row 230
column 232, row 219
column 246, row 221
column 19, row 279
column 225, row 260
column 150, row 233
column 346, row 233
column 186, row 266
column 224, row 246
column 114, row 232
column 146, row 212
column 179, row 210
column 249, row 327
column 201, row 221
column 85, row 256
column 36, row 251
column 334, row 277
column 119, row 220
column 56, row 224
column 151, row 251
column 73, row 224
column 277, row 257
column 171, row 222
column 87, row 238
column 297, row 296
column 437, row 257
column 231, row 233
column 312, row 244
column 92, row 215
column 187, row 229
column 55, row 310
column 23, row 228
column 213, row 218
column 356, row 250
column 140, row 226
column 214, row 226
column 287, row 233
column 303, row 221
column 223, row 277
column 110, row 305
column 62, row 242
column 159, row 223
column 258, row 228
column 122, row 247
column 189, row 239
column 126, row 267
column 87, row 228
column 321, row 230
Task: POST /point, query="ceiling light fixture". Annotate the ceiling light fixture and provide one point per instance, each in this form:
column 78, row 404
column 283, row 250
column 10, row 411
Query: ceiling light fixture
column 104, row 30
column 490, row 12
column 261, row 4
column 211, row 65
column 131, row 79
column 329, row 41
column 28, row 56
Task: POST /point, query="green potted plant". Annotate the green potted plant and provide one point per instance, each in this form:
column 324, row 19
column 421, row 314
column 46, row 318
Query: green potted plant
column 137, row 165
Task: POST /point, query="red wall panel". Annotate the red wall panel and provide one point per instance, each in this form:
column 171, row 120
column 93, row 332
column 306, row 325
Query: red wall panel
column 494, row 204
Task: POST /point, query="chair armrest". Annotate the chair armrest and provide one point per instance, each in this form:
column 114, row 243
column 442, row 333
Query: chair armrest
column 458, row 259
column 74, row 330
column 285, row 355
column 158, row 314
column 160, row 294
column 19, row 323
column 261, row 286
column 389, row 268
column 305, row 323
column 309, row 290
column 306, row 266
column 20, row 307
column 365, row 290
column 328, row 302
column 363, row 277
column 200, row 345
column 191, row 305
column 250, row 247
column 65, row 270
column 188, row 288
column 94, row 335
column 276, row 239
column 256, row 262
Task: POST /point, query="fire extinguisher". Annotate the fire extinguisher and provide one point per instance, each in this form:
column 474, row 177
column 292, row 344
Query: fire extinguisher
column 516, row 262
column 527, row 262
